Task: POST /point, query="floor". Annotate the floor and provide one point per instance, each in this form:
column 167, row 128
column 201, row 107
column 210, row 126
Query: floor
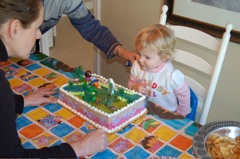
column 70, row 48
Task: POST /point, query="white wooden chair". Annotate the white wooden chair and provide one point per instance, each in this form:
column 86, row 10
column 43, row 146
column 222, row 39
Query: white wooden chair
column 196, row 37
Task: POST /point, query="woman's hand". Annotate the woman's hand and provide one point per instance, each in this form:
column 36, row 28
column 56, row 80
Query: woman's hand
column 93, row 142
column 39, row 96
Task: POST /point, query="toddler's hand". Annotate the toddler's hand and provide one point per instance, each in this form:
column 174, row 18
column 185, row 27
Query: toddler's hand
column 142, row 88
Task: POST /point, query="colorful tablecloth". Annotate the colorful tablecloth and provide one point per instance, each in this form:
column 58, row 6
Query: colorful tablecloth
column 52, row 124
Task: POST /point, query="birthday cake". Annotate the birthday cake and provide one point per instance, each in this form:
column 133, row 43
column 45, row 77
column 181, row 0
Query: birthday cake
column 101, row 102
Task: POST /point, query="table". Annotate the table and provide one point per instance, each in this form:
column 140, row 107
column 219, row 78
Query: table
column 52, row 124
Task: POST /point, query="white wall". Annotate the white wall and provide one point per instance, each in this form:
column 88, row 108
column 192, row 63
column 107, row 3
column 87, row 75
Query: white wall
column 126, row 17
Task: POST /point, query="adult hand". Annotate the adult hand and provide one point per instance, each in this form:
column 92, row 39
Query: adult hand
column 129, row 56
column 125, row 54
column 93, row 142
column 39, row 96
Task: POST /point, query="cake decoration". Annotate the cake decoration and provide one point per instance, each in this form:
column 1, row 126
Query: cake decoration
column 100, row 101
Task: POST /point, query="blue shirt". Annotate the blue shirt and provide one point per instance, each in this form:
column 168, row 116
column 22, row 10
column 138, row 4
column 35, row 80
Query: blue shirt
column 81, row 18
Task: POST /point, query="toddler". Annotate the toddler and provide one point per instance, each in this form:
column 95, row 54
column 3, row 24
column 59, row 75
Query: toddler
column 153, row 73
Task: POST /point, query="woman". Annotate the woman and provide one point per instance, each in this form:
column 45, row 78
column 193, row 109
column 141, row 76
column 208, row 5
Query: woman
column 19, row 28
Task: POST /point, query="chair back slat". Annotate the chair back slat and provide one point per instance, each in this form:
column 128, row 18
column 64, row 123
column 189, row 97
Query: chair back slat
column 193, row 61
column 200, row 38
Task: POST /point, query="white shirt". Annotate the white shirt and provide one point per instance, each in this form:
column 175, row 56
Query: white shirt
column 163, row 83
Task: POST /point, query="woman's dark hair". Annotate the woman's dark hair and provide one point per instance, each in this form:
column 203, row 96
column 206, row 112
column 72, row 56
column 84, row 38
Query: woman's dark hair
column 26, row 11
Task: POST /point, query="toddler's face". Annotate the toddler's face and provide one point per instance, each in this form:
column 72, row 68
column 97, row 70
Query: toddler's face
column 149, row 59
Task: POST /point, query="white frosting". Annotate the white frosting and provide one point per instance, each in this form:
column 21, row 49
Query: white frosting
column 99, row 126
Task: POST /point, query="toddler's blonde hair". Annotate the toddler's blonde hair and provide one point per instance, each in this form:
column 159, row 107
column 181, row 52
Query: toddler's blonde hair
column 157, row 37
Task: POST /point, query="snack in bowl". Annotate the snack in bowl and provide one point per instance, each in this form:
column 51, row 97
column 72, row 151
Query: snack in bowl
column 223, row 147
column 101, row 102
column 217, row 139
